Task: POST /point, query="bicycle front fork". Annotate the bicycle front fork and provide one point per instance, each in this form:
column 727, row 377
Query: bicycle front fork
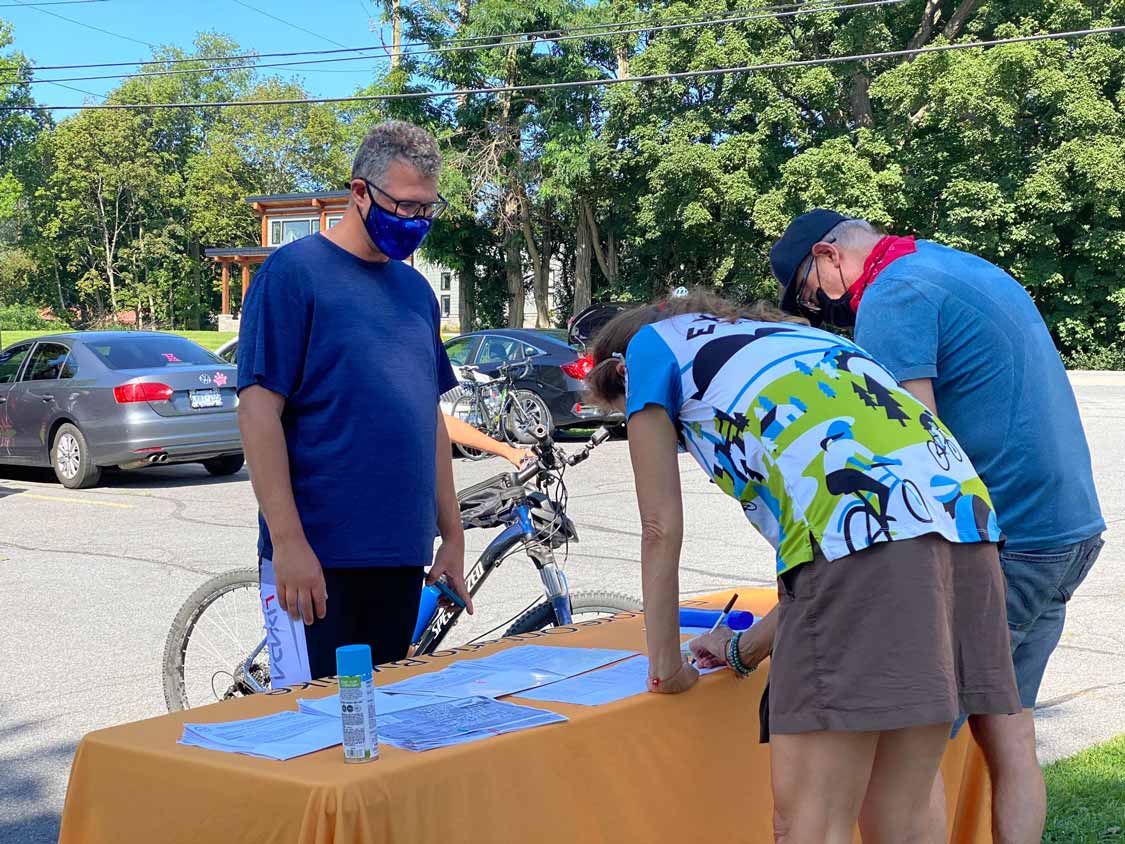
column 554, row 578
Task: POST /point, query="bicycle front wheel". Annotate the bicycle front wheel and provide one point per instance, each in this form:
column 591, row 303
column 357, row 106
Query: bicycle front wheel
column 216, row 629
column 466, row 409
column 583, row 606
column 523, row 413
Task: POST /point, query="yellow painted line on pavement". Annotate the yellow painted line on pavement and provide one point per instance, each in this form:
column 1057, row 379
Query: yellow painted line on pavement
column 73, row 500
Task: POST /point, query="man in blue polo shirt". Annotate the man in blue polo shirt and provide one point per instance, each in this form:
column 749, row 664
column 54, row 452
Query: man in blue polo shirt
column 965, row 338
column 340, row 366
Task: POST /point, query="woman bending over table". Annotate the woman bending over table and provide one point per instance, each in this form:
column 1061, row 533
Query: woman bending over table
column 891, row 616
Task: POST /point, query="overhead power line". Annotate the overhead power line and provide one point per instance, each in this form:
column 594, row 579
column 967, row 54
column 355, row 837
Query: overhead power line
column 476, row 47
column 288, row 23
column 592, row 83
column 819, row 4
column 83, row 24
column 50, row 3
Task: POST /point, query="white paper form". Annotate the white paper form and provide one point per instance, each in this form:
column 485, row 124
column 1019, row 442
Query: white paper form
column 606, row 685
column 468, row 680
column 451, row 722
column 283, row 735
column 565, row 662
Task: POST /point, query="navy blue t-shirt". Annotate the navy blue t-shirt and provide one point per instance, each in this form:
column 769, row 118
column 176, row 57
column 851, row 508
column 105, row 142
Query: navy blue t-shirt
column 1000, row 386
column 355, row 348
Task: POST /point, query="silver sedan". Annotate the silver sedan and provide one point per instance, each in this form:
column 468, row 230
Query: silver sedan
column 85, row 400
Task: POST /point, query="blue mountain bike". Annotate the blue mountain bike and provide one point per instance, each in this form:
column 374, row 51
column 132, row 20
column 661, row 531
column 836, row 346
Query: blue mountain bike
column 216, row 648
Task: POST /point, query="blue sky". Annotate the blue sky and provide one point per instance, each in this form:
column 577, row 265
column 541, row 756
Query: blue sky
column 47, row 40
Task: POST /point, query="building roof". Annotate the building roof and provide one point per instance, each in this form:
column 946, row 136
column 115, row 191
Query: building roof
column 239, row 251
column 298, row 197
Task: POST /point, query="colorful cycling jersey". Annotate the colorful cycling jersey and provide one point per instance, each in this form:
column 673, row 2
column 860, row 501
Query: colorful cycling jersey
column 813, row 437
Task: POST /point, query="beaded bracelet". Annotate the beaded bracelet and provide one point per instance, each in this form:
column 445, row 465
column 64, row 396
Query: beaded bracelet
column 734, row 659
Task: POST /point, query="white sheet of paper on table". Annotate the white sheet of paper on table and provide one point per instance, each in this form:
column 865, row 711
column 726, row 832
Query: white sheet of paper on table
column 449, row 722
column 462, row 680
column 606, row 685
column 282, row 735
column 565, row 662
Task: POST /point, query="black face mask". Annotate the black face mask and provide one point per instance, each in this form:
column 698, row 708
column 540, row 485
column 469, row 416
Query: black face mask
column 837, row 312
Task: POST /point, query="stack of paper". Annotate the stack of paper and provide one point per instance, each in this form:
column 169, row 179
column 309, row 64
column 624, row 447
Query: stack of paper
column 283, row 735
column 450, row 722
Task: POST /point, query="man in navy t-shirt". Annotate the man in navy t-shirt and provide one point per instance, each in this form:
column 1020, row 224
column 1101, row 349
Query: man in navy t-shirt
column 965, row 338
column 340, row 366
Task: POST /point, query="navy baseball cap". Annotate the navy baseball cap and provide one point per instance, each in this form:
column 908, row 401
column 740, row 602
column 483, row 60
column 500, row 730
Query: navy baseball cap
column 795, row 245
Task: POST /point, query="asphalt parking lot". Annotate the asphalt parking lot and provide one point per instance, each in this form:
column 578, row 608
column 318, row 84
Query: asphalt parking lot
column 90, row 581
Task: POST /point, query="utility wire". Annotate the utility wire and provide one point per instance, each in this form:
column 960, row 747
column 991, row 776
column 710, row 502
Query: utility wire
column 475, row 47
column 50, row 3
column 819, row 4
column 288, row 23
column 86, row 25
column 593, row 83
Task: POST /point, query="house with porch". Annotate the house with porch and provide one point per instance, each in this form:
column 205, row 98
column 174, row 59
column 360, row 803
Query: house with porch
column 288, row 216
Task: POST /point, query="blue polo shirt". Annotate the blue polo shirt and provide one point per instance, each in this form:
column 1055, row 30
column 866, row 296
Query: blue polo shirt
column 1000, row 386
column 355, row 348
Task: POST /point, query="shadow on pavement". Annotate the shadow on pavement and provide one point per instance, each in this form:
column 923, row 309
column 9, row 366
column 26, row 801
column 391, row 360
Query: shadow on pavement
column 23, row 792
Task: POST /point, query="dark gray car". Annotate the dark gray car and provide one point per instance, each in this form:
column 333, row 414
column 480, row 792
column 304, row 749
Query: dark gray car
column 82, row 401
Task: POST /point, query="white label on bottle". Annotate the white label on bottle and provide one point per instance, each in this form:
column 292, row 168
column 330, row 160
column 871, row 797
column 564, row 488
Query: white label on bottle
column 357, row 711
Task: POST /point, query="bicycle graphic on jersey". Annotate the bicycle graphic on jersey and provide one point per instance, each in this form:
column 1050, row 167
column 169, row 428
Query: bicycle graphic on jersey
column 863, row 521
column 940, row 446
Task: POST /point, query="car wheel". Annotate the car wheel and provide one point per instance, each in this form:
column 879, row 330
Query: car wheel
column 70, row 458
column 228, row 464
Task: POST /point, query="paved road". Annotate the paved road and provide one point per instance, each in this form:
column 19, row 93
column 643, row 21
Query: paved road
column 90, row 581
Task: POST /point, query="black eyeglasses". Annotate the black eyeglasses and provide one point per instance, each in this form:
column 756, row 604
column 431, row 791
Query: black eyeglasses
column 809, row 307
column 409, row 209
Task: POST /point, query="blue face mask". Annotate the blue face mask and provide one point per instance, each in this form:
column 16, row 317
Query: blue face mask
column 395, row 237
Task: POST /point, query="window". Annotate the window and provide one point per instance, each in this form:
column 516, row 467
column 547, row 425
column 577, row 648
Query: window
column 460, row 351
column 148, row 351
column 11, row 361
column 497, row 350
column 49, row 363
column 332, row 219
column 445, row 306
column 287, row 229
column 447, row 281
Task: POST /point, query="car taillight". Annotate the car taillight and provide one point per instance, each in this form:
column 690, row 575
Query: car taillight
column 147, row 391
column 579, row 368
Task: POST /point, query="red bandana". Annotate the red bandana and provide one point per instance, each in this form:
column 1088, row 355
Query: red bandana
column 888, row 249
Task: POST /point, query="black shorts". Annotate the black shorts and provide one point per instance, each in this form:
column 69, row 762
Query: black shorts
column 374, row 606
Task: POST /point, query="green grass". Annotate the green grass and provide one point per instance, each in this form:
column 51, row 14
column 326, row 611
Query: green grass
column 208, row 339
column 1086, row 796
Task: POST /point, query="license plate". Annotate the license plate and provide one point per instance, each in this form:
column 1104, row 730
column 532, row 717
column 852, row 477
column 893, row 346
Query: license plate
column 206, row 398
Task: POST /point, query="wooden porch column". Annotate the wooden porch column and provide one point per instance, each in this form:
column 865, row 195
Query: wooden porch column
column 245, row 279
column 226, row 287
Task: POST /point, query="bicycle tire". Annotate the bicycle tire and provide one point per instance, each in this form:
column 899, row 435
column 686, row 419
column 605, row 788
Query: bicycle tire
column 471, row 406
column 516, row 430
column 921, row 512
column 858, row 508
column 175, row 645
column 939, row 454
column 543, row 614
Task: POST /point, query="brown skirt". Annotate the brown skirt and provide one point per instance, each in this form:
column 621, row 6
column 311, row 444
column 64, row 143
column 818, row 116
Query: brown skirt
column 901, row 634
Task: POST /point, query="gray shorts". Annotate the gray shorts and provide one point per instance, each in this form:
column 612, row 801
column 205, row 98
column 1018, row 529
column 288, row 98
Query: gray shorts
column 1039, row 585
column 902, row 634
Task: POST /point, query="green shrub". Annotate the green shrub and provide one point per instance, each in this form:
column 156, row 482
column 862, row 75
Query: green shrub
column 25, row 318
column 1105, row 357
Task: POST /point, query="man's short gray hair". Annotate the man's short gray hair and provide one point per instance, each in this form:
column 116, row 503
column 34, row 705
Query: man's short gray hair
column 853, row 234
column 396, row 140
